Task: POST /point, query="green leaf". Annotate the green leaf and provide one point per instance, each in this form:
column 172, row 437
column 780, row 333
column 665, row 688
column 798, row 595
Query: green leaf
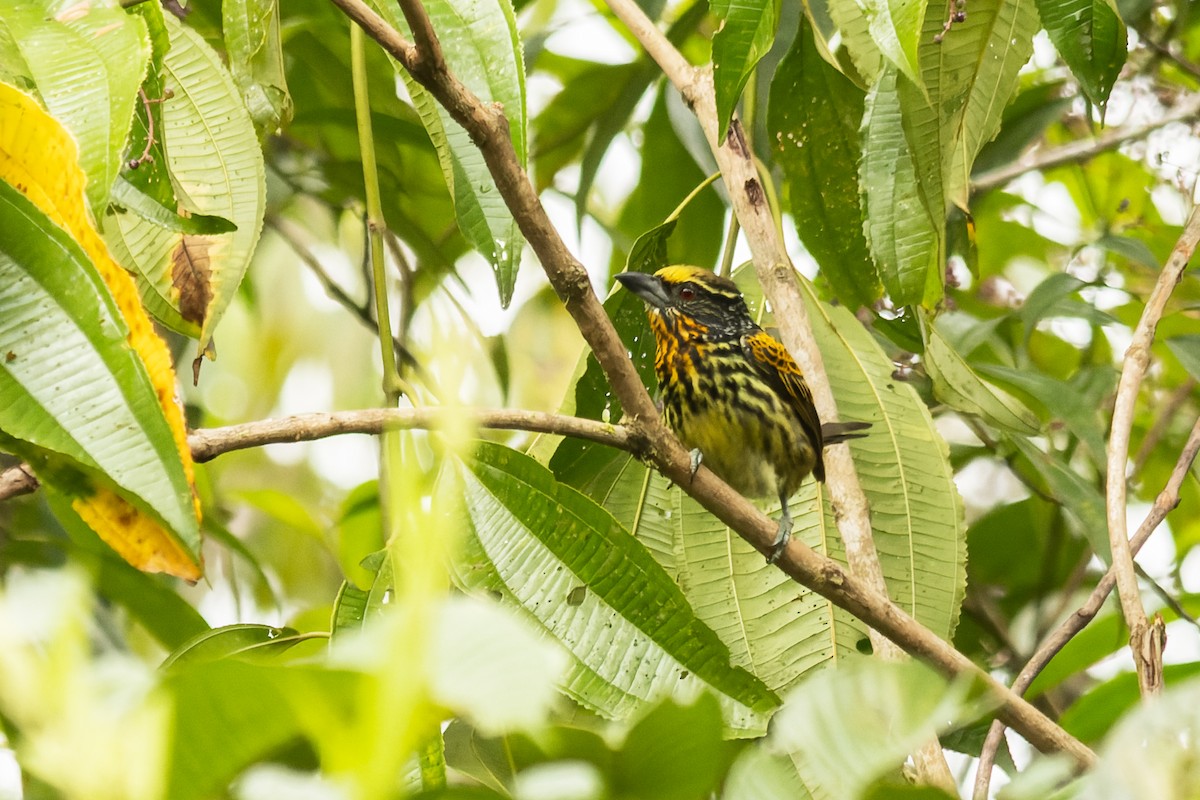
column 128, row 196
column 1186, row 348
column 187, row 280
column 573, row 117
column 746, row 33
column 482, row 49
column 493, row 666
column 908, row 244
column 148, row 169
column 245, row 641
column 1044, row 298
column 63, row 343
column 1091, row 37
column 761, row 775
column 670, row 174
column 229, row 714
column 1064, row 402
column 912, row 180
column 887, row 29
column 1102, row 637
column 252, row 43
column 904, row 468
column 86, row 68
column 813, row 120
column 1082, row 499
column 967, row 78
column 1153, row 751
column 538, row 541
column 1024, row 120
column 957, row 385
column 673, row 753
column 844, row 728
column 1091, row 717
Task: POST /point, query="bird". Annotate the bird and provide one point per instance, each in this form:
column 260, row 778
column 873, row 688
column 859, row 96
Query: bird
column 730, row 391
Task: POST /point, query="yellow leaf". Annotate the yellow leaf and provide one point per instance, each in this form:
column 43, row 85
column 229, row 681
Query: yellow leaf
column 134, row 535
column 40, row 159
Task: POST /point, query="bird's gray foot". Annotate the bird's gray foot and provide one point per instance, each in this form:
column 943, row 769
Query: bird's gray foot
column 697, row 457
column 783, row 536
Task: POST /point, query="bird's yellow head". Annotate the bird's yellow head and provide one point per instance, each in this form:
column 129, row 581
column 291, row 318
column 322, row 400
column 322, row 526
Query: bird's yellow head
column 690, row 294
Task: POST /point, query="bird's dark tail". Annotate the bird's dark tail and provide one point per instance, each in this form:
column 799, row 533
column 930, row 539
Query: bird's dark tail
column 837, row 432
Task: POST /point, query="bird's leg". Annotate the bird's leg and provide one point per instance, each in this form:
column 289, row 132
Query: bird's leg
column 697, row 457
column 785, row 532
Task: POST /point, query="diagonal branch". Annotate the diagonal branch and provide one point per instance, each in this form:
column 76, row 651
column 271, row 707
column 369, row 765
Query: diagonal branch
column 1166, row 501
column 1145, row 643
column 489, row 131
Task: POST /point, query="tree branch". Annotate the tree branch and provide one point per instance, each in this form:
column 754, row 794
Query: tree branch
column 208, row 443
column 1144, row 643
column 1164, row 503
column 16, row 481
column 489, row 131
column 1083, row 150
column 290, row 233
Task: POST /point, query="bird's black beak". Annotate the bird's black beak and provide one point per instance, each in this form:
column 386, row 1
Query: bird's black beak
column 648, row 287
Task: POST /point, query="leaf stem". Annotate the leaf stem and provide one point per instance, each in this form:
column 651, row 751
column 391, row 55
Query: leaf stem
column 392, row 385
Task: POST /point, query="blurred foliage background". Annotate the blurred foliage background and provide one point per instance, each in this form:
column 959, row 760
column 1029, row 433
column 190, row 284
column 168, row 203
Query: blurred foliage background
column 1006, row 339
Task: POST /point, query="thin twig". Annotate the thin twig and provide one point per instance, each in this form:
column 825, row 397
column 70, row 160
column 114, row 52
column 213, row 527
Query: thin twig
column 1164, row 503
column 290, row 233
column 1077, row 152
column 16, row 481
column 1165, row 51
column 208, row 443
column 488, row 129
column 1142, row 642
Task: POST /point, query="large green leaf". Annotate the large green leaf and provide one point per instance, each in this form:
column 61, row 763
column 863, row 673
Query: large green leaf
column 251, row 29
column 967, row 78
column 86, row 67
column 746, row 33
column 229, row 714
column 64, row 348
column 881, row 28
column 631, row 633
column 904, row 467
column 813, row 120
column 480, row 44
column 187, row 281
column 957, row 385
column 1153, row 752
column 1091, row 38
column 908, row 243
column 844, row 728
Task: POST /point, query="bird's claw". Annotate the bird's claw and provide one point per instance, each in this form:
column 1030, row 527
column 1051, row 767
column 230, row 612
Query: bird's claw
column 781, row 540
column 696, row 458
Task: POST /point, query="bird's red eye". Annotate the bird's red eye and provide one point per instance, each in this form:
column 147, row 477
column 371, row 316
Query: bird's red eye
column 687, row 293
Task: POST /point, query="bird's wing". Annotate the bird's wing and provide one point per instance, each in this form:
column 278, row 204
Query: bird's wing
column 782, row 372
